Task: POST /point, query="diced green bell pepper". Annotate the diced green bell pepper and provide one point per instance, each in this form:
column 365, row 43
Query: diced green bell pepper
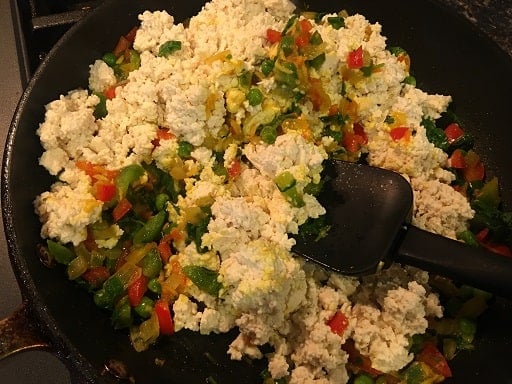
column 122, row 314
column 128, row 175
column 61, row 253
column 155, row 286
column 151, row 229
column 151, row 264
column 145, row 307
column 205, row 279
column 111, row 290
column 285, row 180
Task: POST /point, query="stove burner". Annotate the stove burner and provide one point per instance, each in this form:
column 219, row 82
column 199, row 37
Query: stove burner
column 43, row 22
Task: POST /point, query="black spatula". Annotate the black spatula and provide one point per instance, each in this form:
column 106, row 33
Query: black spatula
column 369, row 210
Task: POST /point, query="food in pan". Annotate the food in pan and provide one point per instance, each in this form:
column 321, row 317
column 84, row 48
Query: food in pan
column 191, row 162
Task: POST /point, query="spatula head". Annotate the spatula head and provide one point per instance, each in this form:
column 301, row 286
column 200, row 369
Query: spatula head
column 366, row 208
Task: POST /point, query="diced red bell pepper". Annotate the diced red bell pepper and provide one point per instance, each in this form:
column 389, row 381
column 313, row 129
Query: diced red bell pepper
column 399, row 133
column 104, row 191
column 483, row 238
column 174, row 235
column 162, row 134
column 96, row 276
column 121, row 209
column 475, row 172
column 305, row 25
column 500, row 249
column 302, row 40
column 137, row 289
column 163, row 314
column 333, row 110
column 431, row 356
column 130, row 36
column 359, row 361
column 482, row 235
column 235, row 168
column 338, row 323
column 164, row 249
column 110, row 92
column 95, row 171
column 352, row 142
column 359, row 130
column 122, row 45
column 273, row 36
column 453, row 131
column 355, row 58
column 457, row 159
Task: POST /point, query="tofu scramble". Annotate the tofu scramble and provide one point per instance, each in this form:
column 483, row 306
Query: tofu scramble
column 190, row 164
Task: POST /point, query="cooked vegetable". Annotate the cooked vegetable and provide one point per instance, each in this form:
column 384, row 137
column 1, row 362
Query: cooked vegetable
column 190, row 216
column 169, row 47
column 204, row 278
column 59, row 252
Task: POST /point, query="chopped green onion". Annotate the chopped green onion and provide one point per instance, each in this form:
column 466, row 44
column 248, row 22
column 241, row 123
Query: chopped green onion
column 169, row 47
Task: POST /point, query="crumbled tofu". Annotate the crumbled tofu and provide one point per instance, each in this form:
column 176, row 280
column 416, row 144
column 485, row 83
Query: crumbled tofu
column 273, row 298
column 101, row 76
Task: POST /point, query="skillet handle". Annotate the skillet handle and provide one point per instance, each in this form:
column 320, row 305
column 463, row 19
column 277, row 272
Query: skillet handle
column 473, row 266
column 17, row 333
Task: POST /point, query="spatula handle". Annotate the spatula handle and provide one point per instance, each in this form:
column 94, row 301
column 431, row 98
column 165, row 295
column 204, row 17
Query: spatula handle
column 473, row 266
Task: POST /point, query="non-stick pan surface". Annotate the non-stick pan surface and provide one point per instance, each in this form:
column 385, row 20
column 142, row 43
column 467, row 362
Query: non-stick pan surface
column 448, row 56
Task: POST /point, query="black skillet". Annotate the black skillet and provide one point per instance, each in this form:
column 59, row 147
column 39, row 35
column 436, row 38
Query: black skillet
column 448, row 57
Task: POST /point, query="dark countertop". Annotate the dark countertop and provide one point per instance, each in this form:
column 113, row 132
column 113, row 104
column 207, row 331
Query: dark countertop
column 493, row 17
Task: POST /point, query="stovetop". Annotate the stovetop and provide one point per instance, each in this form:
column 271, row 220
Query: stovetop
column 29, row 29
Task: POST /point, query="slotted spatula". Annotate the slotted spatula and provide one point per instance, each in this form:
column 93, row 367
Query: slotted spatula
column 369, row 210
